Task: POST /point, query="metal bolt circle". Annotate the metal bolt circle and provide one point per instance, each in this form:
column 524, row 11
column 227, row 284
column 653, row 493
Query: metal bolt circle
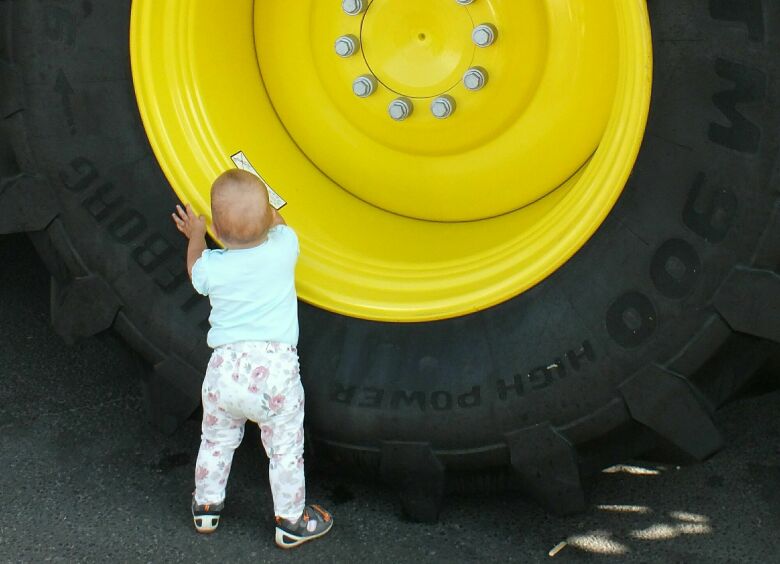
column 346, row 45
column 442, row 107
column 352, row 7
column 475, row 79
column 363, row 86
column 400, row 109
column 484, row 35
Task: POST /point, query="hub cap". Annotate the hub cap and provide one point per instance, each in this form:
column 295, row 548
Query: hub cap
column 417, row 49
column 476, row 163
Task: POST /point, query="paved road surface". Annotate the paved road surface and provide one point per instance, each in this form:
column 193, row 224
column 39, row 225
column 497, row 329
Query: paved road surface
column 82, row 477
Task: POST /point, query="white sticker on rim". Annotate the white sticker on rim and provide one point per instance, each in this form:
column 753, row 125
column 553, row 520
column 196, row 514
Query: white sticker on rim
column 243, row 163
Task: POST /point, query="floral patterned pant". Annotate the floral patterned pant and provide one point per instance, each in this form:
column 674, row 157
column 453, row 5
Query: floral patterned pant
column 259, row 381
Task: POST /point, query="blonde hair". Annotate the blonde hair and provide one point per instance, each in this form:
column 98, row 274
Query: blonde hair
column 239, row 207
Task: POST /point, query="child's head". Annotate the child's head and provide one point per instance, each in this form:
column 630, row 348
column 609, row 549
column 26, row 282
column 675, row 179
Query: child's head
column 239, row 208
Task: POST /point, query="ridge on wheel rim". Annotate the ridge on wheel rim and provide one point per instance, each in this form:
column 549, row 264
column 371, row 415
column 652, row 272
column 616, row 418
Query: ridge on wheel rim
column 435, row 218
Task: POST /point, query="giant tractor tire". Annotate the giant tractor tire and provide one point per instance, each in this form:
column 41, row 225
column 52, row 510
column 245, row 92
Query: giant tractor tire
column 507, row 296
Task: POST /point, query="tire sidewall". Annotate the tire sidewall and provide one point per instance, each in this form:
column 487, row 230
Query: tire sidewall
column 695, row 207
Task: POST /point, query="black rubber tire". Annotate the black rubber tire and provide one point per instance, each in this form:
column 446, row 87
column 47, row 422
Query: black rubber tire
column 663, row 315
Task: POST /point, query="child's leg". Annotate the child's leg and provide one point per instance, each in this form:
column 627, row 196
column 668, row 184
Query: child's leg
column 282, row 435
column 221, row 435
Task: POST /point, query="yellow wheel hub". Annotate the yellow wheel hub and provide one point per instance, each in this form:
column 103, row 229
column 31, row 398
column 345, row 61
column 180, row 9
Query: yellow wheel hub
column 485, row 144
column 417, row 49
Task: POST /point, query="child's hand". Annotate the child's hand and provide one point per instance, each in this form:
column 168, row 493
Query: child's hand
column 188, row 223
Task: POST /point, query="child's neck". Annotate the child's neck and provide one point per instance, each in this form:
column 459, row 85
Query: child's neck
column 248, row 244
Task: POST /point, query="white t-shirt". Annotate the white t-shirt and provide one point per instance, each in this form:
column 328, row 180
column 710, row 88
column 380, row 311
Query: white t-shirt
column 252, row 291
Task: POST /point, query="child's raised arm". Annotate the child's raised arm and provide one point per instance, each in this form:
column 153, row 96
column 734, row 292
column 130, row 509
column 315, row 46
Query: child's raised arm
column 194, row 228
column 276, row 218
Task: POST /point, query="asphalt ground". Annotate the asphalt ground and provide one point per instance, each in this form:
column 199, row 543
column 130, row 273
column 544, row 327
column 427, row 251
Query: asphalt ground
column 84, row 478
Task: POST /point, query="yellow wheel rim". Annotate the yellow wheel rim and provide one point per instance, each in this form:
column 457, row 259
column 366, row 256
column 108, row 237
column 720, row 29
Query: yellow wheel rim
column 431, row 216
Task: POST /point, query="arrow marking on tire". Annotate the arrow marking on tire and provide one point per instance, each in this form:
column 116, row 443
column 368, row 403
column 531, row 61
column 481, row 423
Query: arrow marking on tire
column 243, row 163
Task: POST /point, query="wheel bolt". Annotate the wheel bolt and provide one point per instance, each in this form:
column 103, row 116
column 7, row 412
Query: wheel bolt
column 364, row 86
column 442, row 107
column 484, row 35
column 400, row 109
column 346, row 45
column 475, row 79
column 352, row 7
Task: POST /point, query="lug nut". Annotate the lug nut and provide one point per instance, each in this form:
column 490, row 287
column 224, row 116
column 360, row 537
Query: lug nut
column 352, row 7
column 443, row 106
column 400, row 109
column 346, row 45
column 475, row 79
column 364, row 86
column 464, row 2
column 484, row 35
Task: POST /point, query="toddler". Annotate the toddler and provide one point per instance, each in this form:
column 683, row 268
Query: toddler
column 253, row 373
